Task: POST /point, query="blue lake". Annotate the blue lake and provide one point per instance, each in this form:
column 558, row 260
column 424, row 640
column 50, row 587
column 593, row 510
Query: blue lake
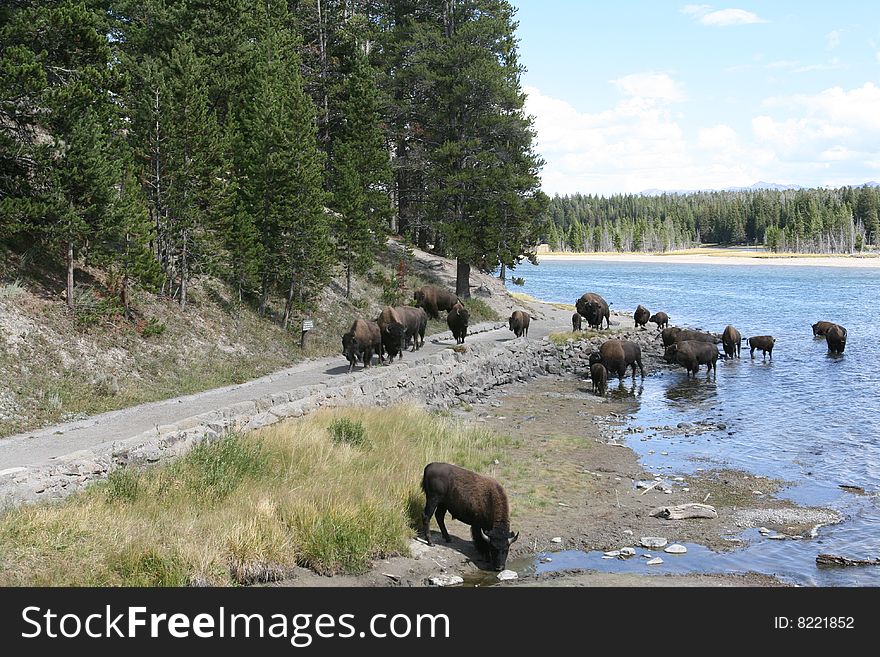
column 805, row 417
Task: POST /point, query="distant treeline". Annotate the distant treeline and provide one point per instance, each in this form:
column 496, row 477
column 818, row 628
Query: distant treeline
column 843, row 220
column 269, row 143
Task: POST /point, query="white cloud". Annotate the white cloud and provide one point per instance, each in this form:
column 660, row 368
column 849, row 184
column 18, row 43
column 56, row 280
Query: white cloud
column 721, row 17
column 829, row 66
column 832, row 39
column 650, row 85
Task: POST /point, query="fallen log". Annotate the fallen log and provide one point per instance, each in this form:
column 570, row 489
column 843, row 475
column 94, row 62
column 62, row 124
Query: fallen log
column 835, row 560
column 685, row 512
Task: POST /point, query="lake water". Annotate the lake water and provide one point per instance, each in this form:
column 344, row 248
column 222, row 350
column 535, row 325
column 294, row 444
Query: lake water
column 805, row 417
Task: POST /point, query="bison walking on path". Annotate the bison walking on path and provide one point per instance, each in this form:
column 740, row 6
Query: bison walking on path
column 361, row 342
column 519, row 323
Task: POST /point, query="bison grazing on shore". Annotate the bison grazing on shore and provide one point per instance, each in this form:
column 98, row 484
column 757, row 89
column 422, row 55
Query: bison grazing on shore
column 434, row 299
column 473, row 499
column 764, row 343
column 362, row 341
column 660, row 319
column 599, row 376
column 519, row 323
column 594, row 309
column 457, row 321
column 690, row 354
column 576, row 322
column 835, row 337
column 414, row 320
column 641, row 316
column 392, row 332
column 732, row 341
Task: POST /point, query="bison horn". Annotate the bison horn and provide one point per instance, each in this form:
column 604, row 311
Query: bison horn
column 513, row 538
column 484, row 535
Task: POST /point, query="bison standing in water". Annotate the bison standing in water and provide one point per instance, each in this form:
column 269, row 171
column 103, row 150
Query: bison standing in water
column 519, row 323
column 690, row 354
column 457, row 321
column 764, row 343
column 821, row 328
column 434, row 299
column 361, row 342
column 835, row 337
column 732, row 341
column 617, row 355
column 641, row 316
column 473, row 499
column 660, row 319
column 594, row 309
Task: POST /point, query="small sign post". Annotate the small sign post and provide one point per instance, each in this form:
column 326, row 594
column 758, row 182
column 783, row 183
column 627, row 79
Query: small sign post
column 307, row 326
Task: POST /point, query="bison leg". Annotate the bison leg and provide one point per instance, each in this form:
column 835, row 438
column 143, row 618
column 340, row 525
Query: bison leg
column 430, row 507
column 752, row 352
column 440, row 515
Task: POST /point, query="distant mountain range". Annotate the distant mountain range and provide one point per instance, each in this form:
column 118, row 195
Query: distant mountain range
column 758, row 185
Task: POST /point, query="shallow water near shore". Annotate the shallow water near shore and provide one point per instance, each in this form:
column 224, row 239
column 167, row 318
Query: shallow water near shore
column 807, row 418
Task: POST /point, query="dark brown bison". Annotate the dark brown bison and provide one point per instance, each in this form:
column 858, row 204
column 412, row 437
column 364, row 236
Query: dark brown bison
column 415, row 320
column 519, row 323
column 732, row 341
column 362, row 341
column 434, row 299
column 675, row 334
column 617, row 355
column 835, row 337
column 821, row 328
column 599, row 376
column 660, row 319
column 473, row 499
column 641, row 316
column 457, row 321
column 690, row 354
column 576, row 322
column 764, row 343
column 594, row 309
column 393, row 333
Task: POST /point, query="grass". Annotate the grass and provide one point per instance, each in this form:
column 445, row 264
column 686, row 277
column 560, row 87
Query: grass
column 246, row 508
column 562, row 338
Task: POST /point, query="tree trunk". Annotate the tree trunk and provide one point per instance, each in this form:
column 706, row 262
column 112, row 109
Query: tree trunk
column 126, row 285
column 503, row 273
column 184, row 273
column 70, row 274
column 264, row 296
column 348, row 274
column 288, row 307
column 463, row 279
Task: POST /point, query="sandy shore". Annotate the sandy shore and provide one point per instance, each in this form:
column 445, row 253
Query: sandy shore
column 711, row 259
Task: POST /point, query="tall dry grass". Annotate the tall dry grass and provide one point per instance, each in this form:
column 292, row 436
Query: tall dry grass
column 246, row 508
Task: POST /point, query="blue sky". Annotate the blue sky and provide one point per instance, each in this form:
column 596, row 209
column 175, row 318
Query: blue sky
column 629, row 96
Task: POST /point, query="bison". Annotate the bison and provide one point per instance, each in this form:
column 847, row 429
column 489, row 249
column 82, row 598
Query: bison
column 594, row 309
column 835, row 337
column 599, row 376
column 361, row 342
column 690, row 354
column 821, row 328
column 415, row 320
column 434, row 299
column 393, row 333
column 576, row 322
column 641, row 316
column 732, row 341
column 617, row 355
column 457, row 321
column 675, row 334
column 519, row 323
column 473, row 499
column 660, row 319
column 764, row 343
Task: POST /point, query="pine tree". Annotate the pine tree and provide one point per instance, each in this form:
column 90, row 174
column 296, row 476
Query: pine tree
column 360, row 174
column 280, row 170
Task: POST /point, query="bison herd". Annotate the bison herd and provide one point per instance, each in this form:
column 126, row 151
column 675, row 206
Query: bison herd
column 685, row 347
